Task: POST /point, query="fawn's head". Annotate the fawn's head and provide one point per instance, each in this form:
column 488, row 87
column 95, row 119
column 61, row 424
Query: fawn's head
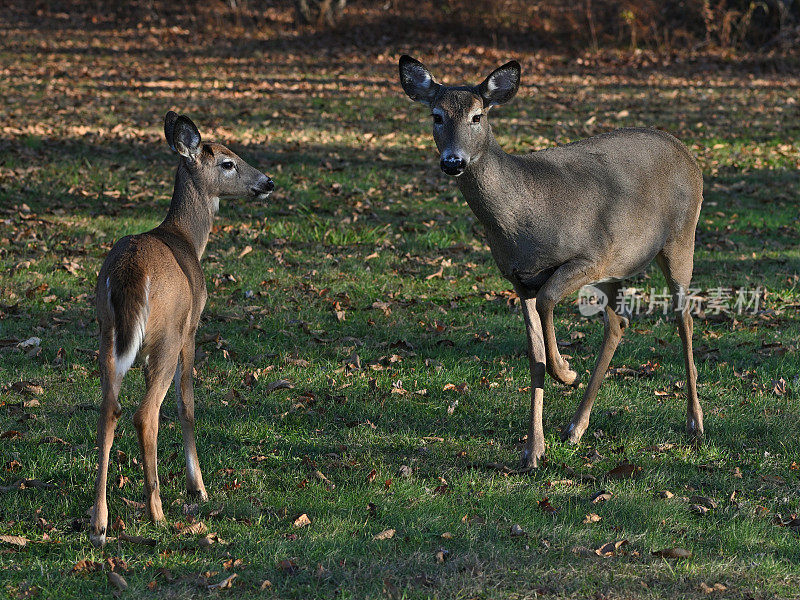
column 216, row 171
column 459, row 113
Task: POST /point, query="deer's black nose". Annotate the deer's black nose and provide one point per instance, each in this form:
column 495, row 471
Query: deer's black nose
column 263, row 186
column 453, row 165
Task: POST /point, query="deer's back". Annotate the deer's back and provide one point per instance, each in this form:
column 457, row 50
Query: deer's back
column 621, row 196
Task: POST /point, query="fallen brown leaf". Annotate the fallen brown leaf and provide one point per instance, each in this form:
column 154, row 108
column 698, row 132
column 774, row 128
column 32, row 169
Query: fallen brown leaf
column 611, row 548
column 117, row 580
column 673, row 553
column 624, row 470
column 386, row 534
column 14, row 540
column 288, row 567
column 225, row 584
column 302, row 521
column 591, row 518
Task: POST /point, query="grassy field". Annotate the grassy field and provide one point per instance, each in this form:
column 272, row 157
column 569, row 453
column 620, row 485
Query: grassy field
column 366, row 283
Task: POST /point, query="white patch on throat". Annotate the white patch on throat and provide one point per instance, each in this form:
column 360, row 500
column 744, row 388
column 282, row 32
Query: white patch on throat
column 215, row 204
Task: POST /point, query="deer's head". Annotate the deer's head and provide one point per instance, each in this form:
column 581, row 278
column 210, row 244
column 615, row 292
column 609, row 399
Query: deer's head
column 218, row 172
column 459, row 113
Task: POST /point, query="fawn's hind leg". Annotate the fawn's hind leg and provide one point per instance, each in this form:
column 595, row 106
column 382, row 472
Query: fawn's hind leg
column 158, row 374
column 184, row 391
column 110, row 411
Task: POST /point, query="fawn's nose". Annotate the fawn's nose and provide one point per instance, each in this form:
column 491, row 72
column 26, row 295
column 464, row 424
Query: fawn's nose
column 263, row 186
column 453, row 164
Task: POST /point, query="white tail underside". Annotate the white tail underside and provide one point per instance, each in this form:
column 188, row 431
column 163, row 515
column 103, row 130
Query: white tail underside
column 125, row 361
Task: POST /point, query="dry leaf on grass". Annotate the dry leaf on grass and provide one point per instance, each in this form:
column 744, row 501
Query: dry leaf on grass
column 546, row 507
column 600, row 496
column 591, row 518
column 611, row 548
column 117, row 580
column 85, row 566
column 288, row 567
column 14, row 540
column 709, row 589
column 624, row 470
column 280, row 384
column 302, row 521
column 225, row 584
column 386, row 534
column 197, row 528
column 320, row 476
column 673, row 553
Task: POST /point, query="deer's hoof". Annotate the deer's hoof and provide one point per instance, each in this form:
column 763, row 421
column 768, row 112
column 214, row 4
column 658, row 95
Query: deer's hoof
column 573, row 433
column 199, row 495
column 563, row 374
column 530, row 459
column 98, row 538
column 694, row 432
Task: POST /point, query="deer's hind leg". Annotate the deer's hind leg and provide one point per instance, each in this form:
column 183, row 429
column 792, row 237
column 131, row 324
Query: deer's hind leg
column 614, row 325
column 676, row 261
column 184, row 392
column 158, row 373
column 110, row 411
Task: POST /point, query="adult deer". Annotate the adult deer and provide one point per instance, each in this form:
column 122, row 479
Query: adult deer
column 598, row 211
column 150, row 294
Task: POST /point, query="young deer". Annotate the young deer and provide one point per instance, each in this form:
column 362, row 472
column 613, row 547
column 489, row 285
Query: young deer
column 598, row 211
column 150, row 294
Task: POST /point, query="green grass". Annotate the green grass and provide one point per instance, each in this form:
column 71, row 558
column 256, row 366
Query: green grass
column 356, row 176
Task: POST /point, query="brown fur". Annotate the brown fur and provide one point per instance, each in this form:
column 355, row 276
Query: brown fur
column 150, row 294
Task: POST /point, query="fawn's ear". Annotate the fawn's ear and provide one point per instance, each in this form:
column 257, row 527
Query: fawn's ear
column 417, row 81
column 169, row 128
column 186, row 137
column 501, row 85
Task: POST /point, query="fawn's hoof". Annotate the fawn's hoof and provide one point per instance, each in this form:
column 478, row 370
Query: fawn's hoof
column 694, row 432
column 98, row 538
column 198, row 495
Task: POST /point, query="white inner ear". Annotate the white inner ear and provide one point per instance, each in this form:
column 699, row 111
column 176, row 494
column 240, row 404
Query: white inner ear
column 502, row 80
column 420, row 78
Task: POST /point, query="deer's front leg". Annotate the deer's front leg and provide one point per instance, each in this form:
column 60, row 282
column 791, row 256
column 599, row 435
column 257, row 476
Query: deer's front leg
column 568, row 278
column 534, row 445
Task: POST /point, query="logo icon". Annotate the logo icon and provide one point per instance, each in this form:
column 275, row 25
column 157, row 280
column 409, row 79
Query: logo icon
column 591, row 301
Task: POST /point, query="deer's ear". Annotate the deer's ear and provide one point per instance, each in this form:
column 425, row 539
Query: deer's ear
column 169, row 128
column 417, row 81
column 186, row 137
column 501, row 85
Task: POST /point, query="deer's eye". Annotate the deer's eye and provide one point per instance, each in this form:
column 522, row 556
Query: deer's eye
column 438, row 119
column 227, row 165
column 477, row 118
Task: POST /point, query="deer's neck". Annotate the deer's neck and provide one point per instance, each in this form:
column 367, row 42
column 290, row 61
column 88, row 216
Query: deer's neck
column 487, row 186
column 190, row 211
